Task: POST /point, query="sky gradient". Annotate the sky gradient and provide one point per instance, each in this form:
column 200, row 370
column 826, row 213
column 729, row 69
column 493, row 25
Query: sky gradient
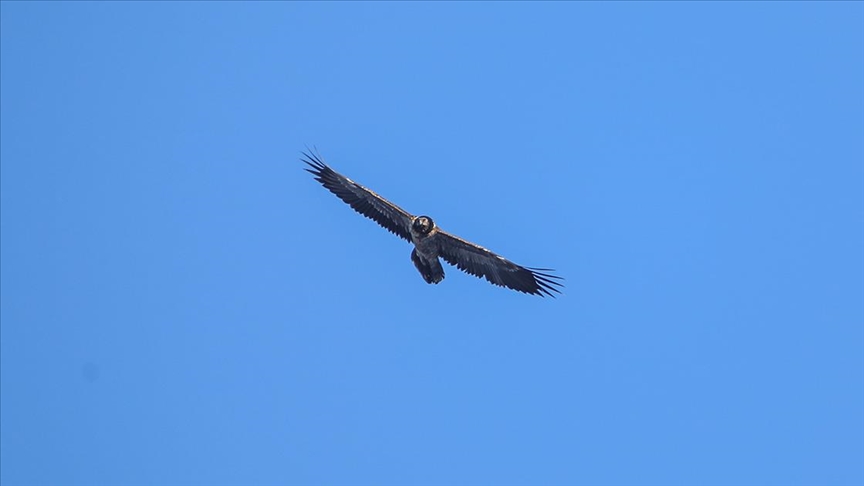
column 180, row 303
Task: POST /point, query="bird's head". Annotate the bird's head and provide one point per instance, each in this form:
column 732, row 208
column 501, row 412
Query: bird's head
column 423, row 225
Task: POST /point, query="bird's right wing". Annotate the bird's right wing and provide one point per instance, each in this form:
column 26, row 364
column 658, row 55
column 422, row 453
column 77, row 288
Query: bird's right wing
column 480, row 262
column 364, row 201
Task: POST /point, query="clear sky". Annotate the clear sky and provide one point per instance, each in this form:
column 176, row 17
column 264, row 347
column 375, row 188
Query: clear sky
column 181, row 304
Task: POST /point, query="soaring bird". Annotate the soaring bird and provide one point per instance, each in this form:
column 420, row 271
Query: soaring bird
column 429, row 241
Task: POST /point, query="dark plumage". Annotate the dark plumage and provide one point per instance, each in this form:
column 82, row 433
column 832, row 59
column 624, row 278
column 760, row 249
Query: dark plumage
column 429, row 241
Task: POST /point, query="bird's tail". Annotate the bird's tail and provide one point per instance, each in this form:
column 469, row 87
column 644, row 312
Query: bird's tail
column 431, row 270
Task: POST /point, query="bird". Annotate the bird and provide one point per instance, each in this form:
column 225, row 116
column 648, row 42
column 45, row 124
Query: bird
column 430, row 242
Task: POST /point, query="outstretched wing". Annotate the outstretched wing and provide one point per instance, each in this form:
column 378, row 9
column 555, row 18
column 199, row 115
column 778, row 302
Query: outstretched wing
column 390, row 216
column 480, row 262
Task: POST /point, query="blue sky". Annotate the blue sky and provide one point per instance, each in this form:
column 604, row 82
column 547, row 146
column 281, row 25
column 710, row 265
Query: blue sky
column 181, row 304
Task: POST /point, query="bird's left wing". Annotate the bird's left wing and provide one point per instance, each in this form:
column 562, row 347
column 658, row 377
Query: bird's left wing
column 480, row 262
column 364, row 201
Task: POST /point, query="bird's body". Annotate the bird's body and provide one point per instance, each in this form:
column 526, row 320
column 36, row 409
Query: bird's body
column 430, row 243
column 425, row 253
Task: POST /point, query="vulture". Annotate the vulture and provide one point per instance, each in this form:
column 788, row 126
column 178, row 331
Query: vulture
column 431, row 242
